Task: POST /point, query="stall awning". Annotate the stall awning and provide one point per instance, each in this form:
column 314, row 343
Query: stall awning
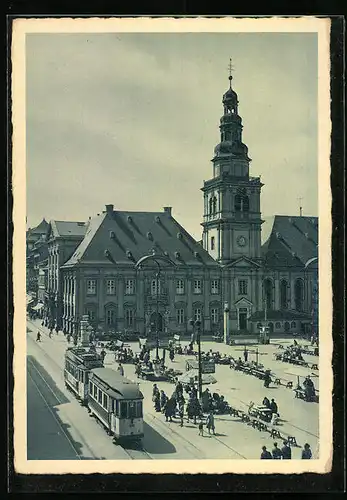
column 38, row 307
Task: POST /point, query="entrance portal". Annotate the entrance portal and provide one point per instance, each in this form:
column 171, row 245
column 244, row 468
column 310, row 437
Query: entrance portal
column 156, row 323
column 243, row 318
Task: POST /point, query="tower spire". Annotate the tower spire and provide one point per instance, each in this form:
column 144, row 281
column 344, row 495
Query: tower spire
column 230, row 68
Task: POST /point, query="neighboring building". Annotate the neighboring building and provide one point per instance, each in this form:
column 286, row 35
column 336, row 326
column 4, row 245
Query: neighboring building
column 35, row 240
column 63, row 237
column 100, row 279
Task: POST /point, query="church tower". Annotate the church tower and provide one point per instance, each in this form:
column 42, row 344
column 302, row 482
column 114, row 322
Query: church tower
column 232, row 218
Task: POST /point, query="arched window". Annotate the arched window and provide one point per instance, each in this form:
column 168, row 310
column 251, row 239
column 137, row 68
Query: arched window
column 286, row 326
column 293, row 324
column 210, row 205
column 271, row 327
column 284, row 294
column 238, row 203
column 278, row 325
column 245, row 203
column 299, row 294
column 268, row 293
column 214, row 205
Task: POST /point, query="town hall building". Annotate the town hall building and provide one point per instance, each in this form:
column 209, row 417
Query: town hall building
column 274, row 283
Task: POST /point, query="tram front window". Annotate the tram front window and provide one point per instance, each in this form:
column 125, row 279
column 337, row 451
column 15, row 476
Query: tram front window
column 123, row 410
column 132, row 410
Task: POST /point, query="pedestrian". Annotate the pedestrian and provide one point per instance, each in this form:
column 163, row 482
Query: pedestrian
column 265, row 454
column 171, row 355
column 68, row 338
column 50, row 334
column 267, row 378
column 180, row 413
column 245, row 355
column 210, row 422
column 156, row 400
column 273, row 406
column 266, row 402
column 38, row 337
column 120, row 369
column 163, row 400
column 201, row 428
column 286, row 451
column 306, row 453
column 276, row 452
column 103, row 354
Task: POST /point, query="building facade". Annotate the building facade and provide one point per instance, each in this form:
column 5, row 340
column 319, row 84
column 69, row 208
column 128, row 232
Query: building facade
column 93, row 267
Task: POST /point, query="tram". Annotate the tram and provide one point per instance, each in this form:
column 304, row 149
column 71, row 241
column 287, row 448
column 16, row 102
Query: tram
column 78, row 363
column 117, row 403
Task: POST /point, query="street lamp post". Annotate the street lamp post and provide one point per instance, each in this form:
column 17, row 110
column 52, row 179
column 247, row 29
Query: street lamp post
column 196, row 328
column 157, row 259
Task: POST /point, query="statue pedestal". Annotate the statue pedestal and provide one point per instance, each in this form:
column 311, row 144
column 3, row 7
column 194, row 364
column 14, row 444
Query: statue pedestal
column 84, row 334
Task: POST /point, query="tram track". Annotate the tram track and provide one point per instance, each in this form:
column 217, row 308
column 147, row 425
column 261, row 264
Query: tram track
column 48, row 406
column 131, row 453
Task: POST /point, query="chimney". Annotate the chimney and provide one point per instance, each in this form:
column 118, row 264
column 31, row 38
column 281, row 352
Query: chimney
column 168, row 210
column 109, row 209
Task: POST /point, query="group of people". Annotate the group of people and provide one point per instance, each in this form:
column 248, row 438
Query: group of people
column 272, row 405
column 309, row 388
column 284, row 453
column 180, row 406
column 214, row 402
column 292, row 353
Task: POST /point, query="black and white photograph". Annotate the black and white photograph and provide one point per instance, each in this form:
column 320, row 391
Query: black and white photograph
column 172, row 280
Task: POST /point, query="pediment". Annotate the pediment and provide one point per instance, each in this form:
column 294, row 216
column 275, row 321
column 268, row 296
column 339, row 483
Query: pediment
column 243, row 302
column 243, row 262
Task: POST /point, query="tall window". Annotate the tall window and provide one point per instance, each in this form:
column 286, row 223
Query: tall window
column 215, row 287
column 212, row 242
column 129, row 287
column 242, row 287
column 91, row 314
column 268, row 293
column 110, row 317
column 154, row 287
column 283, row 294
column 299, row 294
column 91, row 287
column 215, row 315
column 241, row 201
column 197, row 314
column 110, row 287
column 197, row 286
column 180, row 316
column 129, row 317
column 180, row 287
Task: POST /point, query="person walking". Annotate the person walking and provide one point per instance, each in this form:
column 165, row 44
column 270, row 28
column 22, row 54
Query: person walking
column 103, row 354
column 273, row 406
column 276, row 452
column 201, row 428
column 265, row 454
column 306, row 453
column 245, row 355
column 156, row 400
column 50, row 334
column 286, row 451
column 210, row 423
column 181, row 413
column 267, row 378
column 120, row 369
column 38, row 337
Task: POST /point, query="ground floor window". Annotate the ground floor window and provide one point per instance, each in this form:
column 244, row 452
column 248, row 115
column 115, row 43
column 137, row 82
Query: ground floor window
column 197, row 314
column 180, row 316
column 129, row 317
column 278, row 325
column 110, row 317
column 215, row 315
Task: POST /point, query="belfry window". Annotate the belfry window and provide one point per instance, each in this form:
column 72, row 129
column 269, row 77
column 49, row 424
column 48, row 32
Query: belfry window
column 213, row 205
column 241, row 201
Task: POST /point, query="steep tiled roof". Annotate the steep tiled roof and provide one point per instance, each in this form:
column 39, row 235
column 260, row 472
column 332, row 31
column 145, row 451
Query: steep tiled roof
column 125, row 237
column 281, row 315
column 68, row 228
column 292, row 242
column 41, row 228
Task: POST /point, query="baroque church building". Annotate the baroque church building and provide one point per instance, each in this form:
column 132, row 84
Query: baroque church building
column 93, row 267
column 269, row 283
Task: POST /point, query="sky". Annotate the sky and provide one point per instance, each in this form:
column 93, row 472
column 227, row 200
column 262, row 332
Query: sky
column 131, row 119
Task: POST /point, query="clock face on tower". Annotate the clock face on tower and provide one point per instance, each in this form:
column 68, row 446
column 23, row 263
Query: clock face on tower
column 241, row 241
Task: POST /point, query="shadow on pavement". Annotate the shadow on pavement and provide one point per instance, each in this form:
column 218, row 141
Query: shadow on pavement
column 48, row 437
column 154, row 442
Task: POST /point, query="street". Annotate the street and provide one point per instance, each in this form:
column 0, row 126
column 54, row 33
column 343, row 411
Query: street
column 163, row 440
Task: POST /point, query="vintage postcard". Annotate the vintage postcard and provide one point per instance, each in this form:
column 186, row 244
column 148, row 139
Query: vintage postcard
column 171, row 251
